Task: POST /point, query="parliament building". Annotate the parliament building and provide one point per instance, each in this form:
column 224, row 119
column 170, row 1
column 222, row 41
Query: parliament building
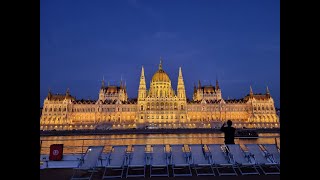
column 160, row 106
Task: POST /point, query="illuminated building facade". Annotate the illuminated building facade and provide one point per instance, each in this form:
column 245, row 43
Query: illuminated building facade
column 160, row 106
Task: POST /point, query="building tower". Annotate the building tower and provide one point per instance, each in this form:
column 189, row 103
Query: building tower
column 142, row 86
column 181, row 92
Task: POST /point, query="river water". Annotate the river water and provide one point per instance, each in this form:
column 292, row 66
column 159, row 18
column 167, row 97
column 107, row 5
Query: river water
column 78, row 144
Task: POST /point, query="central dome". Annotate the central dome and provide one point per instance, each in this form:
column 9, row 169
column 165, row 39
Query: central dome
column 160, row 75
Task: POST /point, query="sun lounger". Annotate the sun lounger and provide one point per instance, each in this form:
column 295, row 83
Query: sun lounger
column 88, row 163
column 200, row 160
column 115, row 162
column 262, row 159
column 274, row 151
column 244, row 160
column 137, row 162
column 221, row 160
column 180, row 161
column 159, row 161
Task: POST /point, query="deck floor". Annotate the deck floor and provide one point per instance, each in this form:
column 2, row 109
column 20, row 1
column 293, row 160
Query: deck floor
column 66, row 173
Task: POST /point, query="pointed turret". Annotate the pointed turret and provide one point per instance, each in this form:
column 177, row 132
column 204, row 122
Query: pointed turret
column 268, row 92
column 68, row 92
column 199, row 85
column 180, row 88
column 102, row 84
column 49, row 94
column 217, row 84
column 68, row 96
column 194, row 88
column 251, row 92
column 142, row 86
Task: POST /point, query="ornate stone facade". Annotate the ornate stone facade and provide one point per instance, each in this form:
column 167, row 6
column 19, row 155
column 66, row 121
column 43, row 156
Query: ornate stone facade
column 157, row 107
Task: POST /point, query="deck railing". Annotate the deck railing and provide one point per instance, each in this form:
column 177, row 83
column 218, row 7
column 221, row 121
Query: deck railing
column 79, row 145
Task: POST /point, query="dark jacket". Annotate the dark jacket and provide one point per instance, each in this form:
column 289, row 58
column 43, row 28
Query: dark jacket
column 228, row 134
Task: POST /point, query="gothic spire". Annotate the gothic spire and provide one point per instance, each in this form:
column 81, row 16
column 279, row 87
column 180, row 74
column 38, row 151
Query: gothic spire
column 180, row 87
column 49, row 94
column 142, row 85
column 268, row 93
column 102, row 85
column 217, row 84
column 160, row 65
column 180, row 72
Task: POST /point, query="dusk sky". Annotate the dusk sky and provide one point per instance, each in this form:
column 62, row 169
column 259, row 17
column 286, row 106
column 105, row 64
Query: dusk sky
column 234, row 41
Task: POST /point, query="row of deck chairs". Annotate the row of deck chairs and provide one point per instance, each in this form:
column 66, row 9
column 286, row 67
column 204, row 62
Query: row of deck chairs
column 202, row 158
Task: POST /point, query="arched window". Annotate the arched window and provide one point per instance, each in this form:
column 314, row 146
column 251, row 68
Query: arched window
column 181, row 107
column 141, row 108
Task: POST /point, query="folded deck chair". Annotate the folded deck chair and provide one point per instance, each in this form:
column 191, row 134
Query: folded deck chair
column 244, row 160
column 262, row 159
column 137, row 162
column 200, row 160
column 274, row 152
column 180, row 161
column 115, row 162
column 88, row 163
column 221, row 160
column 159, row 161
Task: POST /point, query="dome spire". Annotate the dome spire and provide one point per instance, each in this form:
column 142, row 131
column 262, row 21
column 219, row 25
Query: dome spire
column 160, row 65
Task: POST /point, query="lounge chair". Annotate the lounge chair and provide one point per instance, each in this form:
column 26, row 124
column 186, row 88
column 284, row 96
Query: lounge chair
column 137, row 162
column 200, row 160
column 88, row 163
column 263, row 160
column 221, row 159
column 274, row 152
column 159, row 161
column 180, row 161
column 115, row 162
column 244, row 160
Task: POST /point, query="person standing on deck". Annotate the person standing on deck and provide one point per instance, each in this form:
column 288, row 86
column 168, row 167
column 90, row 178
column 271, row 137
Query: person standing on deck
column 228, row 132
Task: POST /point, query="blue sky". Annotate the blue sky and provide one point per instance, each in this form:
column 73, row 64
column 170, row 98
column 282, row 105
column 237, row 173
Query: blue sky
column 235, row 41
